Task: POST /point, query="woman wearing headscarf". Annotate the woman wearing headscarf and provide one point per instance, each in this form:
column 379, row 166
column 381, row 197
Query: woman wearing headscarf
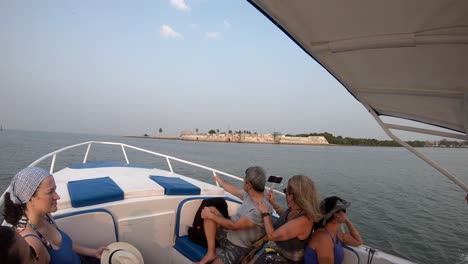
column 326, row 244
column 289, row 235
column 29, row 200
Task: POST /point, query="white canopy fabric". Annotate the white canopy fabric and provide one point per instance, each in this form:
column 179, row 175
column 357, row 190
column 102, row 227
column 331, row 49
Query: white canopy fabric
column 400, row 58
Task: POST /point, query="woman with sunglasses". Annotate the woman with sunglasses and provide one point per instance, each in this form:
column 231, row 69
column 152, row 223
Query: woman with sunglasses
column 289, row 235
column 14, row 249
column 326, row 244
column 29, row 200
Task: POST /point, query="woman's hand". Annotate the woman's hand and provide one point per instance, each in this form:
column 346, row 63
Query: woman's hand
column 99, row 252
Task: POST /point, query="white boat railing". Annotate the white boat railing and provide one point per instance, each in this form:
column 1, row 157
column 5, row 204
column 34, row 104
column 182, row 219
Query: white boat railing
column 124, row 152
column 168, row 159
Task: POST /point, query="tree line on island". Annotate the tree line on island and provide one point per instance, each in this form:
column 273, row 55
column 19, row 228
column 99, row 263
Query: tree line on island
column 349, row 141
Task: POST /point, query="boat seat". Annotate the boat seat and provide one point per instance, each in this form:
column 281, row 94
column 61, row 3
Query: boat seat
column 92, row 228
column 176, row 185
column 94, row 191
column 350, row 255
column 185, row 214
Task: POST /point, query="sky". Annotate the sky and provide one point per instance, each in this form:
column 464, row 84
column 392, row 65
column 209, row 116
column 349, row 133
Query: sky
column 132, row 67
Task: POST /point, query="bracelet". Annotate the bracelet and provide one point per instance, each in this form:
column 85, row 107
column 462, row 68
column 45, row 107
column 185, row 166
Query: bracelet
column 265, row 214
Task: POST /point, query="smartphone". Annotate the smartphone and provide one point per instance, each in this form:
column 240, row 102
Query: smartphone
column 275, row 179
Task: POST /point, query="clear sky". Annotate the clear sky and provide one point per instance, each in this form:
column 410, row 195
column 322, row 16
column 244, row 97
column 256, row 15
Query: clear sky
column 132, row 67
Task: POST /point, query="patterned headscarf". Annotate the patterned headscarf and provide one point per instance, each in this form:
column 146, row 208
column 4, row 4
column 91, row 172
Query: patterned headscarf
column 25, row 183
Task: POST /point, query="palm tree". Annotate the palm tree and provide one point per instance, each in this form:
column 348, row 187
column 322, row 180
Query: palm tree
column 196, row 130
column 160, row 131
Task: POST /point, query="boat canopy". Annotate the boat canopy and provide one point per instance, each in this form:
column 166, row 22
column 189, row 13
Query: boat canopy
column 399, row 58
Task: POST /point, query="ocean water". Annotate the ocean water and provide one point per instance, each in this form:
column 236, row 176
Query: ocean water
column 399, row 204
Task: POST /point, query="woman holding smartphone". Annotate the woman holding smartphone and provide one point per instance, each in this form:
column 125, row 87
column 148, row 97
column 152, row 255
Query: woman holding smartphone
column 289, row 235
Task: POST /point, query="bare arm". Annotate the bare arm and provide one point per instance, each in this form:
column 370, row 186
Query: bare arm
column 272, row 200
column 228, row 187
column 86, row 251
column 42, row 254
column 353, row 238
column 299, row 227
column 242, row 223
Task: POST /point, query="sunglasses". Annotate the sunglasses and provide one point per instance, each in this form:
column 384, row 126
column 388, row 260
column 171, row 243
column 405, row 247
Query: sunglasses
column 285, row 190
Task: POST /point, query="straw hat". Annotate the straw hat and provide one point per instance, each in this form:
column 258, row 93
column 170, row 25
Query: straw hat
column 121, row 253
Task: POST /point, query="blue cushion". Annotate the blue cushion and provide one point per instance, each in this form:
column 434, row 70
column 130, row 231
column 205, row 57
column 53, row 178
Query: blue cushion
column 189, row 249
column 94, row 191
column 176, row 186
column 101, row 164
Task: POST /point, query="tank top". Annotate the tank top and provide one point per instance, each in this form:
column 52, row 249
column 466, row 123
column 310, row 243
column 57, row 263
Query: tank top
column 292, row 249
column 310, row 255
column 65, row 253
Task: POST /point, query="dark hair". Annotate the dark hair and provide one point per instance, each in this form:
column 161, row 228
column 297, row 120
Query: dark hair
column 326, row 206
column 329, row 203
column 8, row 253
column 12, row 212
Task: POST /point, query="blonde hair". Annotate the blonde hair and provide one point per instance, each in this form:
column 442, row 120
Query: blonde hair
column 305, row 195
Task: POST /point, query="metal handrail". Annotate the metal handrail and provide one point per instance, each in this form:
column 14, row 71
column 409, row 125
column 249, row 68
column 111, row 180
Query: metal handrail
column 168, row 158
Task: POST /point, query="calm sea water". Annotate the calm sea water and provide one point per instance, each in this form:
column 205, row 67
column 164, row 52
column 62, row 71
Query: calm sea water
column 399, row 204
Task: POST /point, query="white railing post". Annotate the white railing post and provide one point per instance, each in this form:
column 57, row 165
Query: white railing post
column 169, row 164
column 52, row 164
column 214, row 174
column 87, row 151
column 125, row 153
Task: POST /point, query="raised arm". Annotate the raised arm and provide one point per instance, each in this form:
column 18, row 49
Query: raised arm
column 353, row 238
column 272, row 200
column 228, row 187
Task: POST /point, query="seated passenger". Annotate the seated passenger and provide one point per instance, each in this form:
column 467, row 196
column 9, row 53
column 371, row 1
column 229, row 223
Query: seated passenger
column 14, row 249
column 30, row 199
column 326, row 244
column 236, row 235
column 289, row 235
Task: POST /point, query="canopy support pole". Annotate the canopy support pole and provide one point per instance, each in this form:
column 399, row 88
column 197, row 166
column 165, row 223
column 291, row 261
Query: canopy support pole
column 419, row 154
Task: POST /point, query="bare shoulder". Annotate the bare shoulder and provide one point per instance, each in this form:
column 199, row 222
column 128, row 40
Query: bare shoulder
column 34, row 241
column 320, row 237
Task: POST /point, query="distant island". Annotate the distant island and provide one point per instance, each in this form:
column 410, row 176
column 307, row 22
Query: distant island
column 299, row 139
column 349, row 141
column 245, row 137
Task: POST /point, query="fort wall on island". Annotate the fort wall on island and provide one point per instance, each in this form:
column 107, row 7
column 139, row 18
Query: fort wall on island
column 254, row 138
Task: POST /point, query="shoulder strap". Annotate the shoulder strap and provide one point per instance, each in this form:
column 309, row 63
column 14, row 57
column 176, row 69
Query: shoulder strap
column 329, row 234
column 49, row 219
column 31, row 235
column 40, row 236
